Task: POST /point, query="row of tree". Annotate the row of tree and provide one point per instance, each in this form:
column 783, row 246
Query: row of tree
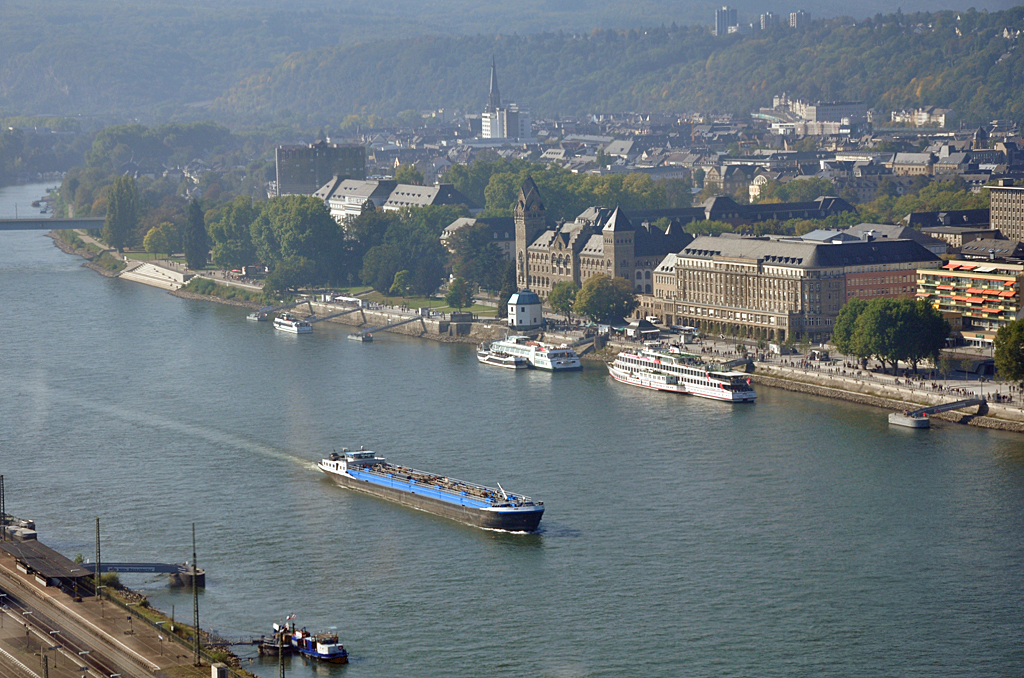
column 890, row 330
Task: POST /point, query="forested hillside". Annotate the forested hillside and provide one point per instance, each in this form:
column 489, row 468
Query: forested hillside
column 890, row 62
column 251, row 65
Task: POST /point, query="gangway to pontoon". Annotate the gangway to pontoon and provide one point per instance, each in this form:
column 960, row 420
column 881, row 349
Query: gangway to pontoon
column 370, row 330
column 285, row 307
column 314, row 319
column 920, row 418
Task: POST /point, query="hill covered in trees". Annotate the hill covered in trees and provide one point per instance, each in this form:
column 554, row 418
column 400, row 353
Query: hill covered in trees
column 311, row 65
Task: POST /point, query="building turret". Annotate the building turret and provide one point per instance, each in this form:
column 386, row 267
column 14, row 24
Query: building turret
column 619, row 240
column 530, row 220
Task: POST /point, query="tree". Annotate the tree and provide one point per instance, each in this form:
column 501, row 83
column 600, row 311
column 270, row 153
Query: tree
column 928, row 332
column 400, row 286
column 122, row 212
column 508, row 288
column 300, row 226
column 1009, row 351
column 196, row 241
column 460, row 294
column 229, row 229
column 562, row 297
column 844, row 332
column 475, row 257
column 160, row 239
column 291, row 273
column 603, row 297
column 408, row 174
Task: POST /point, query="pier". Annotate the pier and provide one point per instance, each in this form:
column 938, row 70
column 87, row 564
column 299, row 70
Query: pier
column 920, row 418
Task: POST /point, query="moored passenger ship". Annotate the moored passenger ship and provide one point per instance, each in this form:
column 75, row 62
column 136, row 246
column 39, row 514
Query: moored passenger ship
column 677, row 372
column 286, row 322
column 477, row 505
column 538, row 354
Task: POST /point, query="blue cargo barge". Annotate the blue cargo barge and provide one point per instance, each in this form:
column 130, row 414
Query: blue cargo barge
column 477, row 505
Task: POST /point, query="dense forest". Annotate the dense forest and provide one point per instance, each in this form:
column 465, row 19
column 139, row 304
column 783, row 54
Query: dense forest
column 247, row 66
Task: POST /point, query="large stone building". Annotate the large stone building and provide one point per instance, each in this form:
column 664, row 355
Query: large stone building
column 302, row 170
column 349, row 198
column 1006, row 206
column 776, row 288
column 599, row 241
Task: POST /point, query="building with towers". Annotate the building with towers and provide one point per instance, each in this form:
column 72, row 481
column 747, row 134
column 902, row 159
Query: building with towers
column 600, row 241
column 503, row 122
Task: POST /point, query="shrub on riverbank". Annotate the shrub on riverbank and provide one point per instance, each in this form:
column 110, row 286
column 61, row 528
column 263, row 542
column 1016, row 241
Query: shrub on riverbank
column 108, row 262
column 212, row 289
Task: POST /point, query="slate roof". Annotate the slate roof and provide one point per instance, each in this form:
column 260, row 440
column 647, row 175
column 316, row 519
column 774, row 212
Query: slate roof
column 808, row 255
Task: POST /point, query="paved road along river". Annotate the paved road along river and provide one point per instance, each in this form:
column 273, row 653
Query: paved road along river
column 794, row 537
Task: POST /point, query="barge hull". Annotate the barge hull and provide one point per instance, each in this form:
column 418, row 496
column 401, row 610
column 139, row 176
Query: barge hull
column 511, row 521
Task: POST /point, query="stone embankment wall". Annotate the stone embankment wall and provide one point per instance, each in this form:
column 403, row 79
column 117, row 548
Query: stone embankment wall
column 436, row 328
column 888, row 396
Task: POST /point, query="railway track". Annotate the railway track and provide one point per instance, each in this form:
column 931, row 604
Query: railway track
column 53, row 633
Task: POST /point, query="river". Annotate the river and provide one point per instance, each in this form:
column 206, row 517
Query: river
column 795, row 537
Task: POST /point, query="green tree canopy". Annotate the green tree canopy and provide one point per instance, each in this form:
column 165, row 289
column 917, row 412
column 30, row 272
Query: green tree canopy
column 602, row 297
column 196, row 242
column 891, row 330
column 1009, row 352
column 122, row 212
column 400, row 287
column 229, row 229
column 460, row 294
column 300, row 226
column 291, row 273
column 475, row 257
column 562, row 297
column 408, row 174
column 161, row 239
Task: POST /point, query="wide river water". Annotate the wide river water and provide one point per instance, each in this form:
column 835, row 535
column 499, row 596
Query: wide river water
column 795, row 537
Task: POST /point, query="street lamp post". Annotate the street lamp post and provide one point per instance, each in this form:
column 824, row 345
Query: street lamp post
column 160, row 625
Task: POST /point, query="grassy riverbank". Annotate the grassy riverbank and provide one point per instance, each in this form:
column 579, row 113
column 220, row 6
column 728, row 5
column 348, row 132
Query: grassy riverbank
column 209, row 288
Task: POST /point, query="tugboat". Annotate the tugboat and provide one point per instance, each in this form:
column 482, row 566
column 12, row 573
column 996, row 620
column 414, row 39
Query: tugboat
column 322, row 646
column 280, row 643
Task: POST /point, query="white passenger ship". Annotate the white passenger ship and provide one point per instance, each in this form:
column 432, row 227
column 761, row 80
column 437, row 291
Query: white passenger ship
column 677, row 372
column 539, row 355
column 286, row 322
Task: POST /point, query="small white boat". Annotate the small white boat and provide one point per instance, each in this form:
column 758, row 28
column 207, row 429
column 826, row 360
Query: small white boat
column 258, row 316
column 497, row 359
column 358, row 336
column 286, row 322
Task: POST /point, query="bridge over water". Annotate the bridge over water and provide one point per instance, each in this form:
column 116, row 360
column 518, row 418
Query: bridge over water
column 48, row 224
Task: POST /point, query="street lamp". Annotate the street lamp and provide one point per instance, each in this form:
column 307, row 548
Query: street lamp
column 160, row 624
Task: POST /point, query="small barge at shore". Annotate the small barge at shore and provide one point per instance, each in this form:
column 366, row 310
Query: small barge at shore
column 472, row 504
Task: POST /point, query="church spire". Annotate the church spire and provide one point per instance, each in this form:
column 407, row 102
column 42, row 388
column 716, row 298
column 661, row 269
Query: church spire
column 494, row 97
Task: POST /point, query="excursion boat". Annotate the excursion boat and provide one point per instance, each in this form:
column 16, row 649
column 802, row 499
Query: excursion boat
column 286, row 322
column 677, row 372
column 468, row 503
column 499, row 359
column 538, row 354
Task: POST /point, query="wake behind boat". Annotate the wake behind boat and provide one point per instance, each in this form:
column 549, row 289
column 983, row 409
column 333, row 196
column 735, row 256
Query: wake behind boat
column 466, row 502
column 677, row 372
